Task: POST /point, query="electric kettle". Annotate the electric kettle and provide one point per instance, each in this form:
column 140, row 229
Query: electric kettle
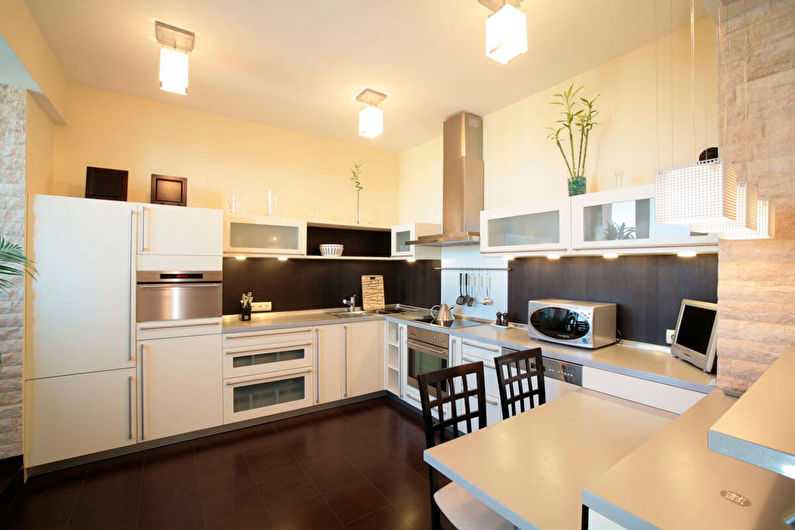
column 443, row 314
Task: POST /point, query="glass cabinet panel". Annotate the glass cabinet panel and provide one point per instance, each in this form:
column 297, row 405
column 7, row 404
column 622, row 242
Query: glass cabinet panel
column 263, row 236
column 266, row 358
column 268, row 394
column 528, row 229
column 400, row 241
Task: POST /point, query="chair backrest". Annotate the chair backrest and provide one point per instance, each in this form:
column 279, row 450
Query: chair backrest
column 452, row 387
column 515, row 374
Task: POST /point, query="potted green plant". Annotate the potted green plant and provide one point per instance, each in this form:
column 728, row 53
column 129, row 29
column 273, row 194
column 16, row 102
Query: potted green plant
column 577, row 121
column 355, row 172
column 13, row 263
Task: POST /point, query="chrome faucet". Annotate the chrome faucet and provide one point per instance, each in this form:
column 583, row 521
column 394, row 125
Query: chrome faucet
column 350, row 303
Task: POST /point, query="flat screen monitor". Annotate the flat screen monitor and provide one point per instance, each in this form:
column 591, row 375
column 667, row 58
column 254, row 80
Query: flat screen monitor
column 695, row 336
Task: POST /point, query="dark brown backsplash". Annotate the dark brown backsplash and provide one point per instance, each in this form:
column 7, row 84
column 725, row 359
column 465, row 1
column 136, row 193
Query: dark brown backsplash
column 298, row 284
column 647, row 289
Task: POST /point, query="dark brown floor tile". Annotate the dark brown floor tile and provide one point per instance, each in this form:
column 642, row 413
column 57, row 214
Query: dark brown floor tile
column 180, row 517
column 353, row 500
column 401, row 486
column 68, row 479
column 331, row 473
column 264, row 475
column 313, row 514
column 233, row 508
column 411, row 518
column 224, row 477
column 287, row 492
column 114, row 511
column 170, row 496
column 106, row 489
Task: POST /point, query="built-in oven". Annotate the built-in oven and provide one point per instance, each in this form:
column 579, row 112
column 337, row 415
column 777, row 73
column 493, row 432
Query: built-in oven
column 428, row 350
column 177, row 295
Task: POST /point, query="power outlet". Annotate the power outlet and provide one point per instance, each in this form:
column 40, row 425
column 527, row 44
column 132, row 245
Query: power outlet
column 260, row 306
column 669, row 336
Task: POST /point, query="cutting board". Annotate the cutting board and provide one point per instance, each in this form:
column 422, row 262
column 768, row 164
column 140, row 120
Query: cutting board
column 372, row 292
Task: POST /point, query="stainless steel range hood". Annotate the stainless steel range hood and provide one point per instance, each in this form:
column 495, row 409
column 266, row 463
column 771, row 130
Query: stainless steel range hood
column 462, row 197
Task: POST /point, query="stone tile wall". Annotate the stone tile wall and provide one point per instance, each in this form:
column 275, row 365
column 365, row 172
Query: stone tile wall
column 12, row 226
column 756, row 279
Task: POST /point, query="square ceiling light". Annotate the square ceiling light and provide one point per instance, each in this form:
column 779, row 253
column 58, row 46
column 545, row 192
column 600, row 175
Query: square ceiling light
column 176, row 43
column 704, row 192
column 506, row 34
column 765, row 223
column 747, row 198
column 371, row 118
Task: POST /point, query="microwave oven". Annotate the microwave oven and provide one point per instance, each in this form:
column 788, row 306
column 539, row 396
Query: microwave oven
column 572, row 322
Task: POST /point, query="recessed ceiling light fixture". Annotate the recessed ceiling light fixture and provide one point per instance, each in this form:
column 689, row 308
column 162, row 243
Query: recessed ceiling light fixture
column 371, row 118
column 506, row 30
column 176, row 44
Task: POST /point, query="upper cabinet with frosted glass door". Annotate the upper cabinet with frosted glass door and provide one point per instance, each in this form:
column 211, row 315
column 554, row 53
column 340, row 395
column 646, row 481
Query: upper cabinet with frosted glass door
column 401, row 234
column 624, row 218
column 264, row 235
column 540, row 227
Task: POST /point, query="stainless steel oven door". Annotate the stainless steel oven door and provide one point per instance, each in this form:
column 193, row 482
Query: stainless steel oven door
column 177, row 301
column 424, row 358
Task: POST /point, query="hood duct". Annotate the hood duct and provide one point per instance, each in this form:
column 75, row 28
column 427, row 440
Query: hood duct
column 462, row 197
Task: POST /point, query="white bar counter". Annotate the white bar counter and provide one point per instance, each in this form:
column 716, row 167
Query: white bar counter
column 531, row 468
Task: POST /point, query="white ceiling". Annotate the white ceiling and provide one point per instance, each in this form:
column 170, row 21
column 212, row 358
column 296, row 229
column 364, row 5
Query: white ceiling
column 299, row 64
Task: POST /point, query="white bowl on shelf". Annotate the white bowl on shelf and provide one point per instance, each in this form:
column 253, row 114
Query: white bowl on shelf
column 328, row 249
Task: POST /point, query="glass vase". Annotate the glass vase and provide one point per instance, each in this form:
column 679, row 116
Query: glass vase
column 576, row 186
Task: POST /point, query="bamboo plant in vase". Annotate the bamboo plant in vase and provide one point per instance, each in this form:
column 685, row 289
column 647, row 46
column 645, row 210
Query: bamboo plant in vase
column 355, row 173
column 573, row 131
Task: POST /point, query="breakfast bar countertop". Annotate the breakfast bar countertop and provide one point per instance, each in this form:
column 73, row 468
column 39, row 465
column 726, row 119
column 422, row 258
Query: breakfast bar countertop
column 531, row 468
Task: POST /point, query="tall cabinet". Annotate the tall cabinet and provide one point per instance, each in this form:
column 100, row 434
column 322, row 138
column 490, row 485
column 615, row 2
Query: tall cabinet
column 80, row 380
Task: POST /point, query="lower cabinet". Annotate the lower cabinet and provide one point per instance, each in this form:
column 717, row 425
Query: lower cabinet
column 363, row 345
column 79, row 414
column 180, row 385
column 255, row 396
column 330, row 367
column 472, row 352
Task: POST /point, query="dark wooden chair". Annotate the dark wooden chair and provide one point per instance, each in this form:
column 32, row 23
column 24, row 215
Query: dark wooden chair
column 515, row 375
column 458, row 396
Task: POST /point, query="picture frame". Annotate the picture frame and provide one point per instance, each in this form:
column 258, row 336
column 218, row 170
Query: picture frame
column 169, row 190
column 106, row 183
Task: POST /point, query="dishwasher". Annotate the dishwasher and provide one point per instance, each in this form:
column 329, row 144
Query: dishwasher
column 560, row 377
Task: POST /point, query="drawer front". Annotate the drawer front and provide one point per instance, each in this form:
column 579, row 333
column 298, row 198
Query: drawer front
column 484, row 352
column 253, row 360
column 253, row 397
column 658, row 395
column 267, row 338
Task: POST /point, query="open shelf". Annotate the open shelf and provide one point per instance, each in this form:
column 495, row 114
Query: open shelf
column 393, row 382
column 348, row 226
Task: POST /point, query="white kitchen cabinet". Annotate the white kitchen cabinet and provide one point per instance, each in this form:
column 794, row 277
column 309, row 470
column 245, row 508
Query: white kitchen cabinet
column 540, row 227
column 362, row 349
column 178, row 231
column 80, row 414
column 411, row 231
column 180, row 385
column 666, row 397
column 263, row 235
column 395, row 350
column 624, row 219
column 330, row 367
column 250, row 397
column 472, row 352
column 79, row 313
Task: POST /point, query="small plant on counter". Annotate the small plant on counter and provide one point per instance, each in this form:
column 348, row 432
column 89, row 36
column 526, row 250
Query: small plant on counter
column 13, row 263
column 355, row 173
column 578, row 120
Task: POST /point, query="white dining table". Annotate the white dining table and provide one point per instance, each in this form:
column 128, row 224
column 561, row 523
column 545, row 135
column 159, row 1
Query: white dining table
column 531, row 469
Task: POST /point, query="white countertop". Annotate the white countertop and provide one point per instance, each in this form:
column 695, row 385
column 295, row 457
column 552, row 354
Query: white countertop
column 636, row 361
column 675, row 481
column 531, row 468
column 633, row 360
column 759, row 428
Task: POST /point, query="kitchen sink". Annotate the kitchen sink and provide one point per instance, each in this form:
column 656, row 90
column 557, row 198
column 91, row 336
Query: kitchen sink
column 349, row 314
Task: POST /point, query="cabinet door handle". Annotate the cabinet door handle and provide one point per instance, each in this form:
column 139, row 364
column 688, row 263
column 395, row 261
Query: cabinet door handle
column 266, row 349
column 345, row 361
column 491, row 401
column 143, row 369
column 262, row 379
column 129, row 407
column 495, row 350
column 144, row 246
column 131, row 305
column 317, row 365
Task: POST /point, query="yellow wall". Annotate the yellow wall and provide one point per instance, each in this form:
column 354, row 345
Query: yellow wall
column 39, row 135
column 309, row 174
column 522, row 165
column 19, row 29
